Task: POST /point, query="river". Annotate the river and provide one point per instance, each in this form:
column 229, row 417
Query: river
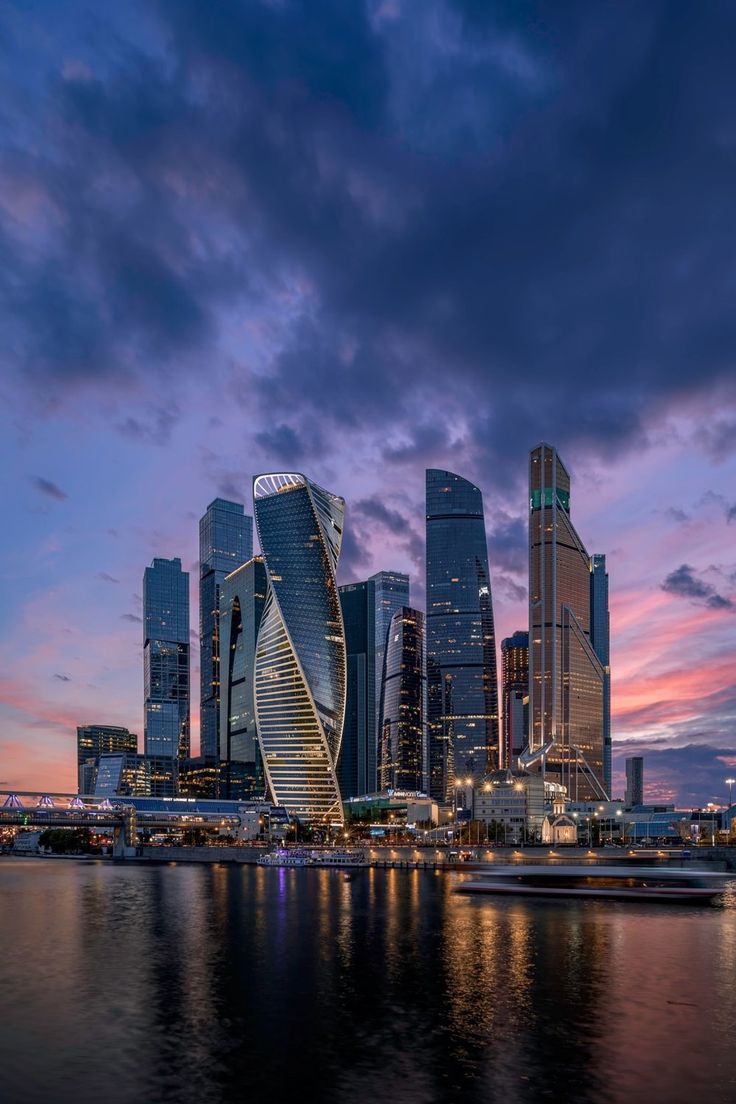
column 188, row 983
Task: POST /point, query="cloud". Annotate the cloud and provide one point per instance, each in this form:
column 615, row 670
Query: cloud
column 62, row 678
column 688, row 777
column 107, row 578
column 48, row 488
column 156, row 430
column 684, row 583
column 131, row 617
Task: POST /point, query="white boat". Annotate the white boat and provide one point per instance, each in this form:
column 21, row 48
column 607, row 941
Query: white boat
column 338, row 858
column 617, row 882
column 285, row 858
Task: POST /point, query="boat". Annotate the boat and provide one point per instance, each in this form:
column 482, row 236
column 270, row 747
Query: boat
column 614, row 882
column 282, row 857
column 337, row 857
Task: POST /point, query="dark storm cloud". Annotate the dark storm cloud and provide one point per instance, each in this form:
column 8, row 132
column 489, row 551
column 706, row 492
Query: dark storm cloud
column 373, row 512
column 48, row 488
column 465, row 206
column 685, row 583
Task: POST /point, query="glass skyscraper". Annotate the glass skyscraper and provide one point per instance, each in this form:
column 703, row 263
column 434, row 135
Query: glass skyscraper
column 96, row 740
column 367, row 609
column 566, row 679
column 462, row 682
column 242, row 598
column 166, row 659
column 300, row 668
column 515, row 696
column 600, row 638
column 225, row 542
column 402, row 727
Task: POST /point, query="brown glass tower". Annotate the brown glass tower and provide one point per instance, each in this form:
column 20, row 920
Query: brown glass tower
column 566, row 679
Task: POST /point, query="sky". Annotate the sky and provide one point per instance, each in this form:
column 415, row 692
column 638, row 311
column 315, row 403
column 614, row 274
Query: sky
column 358, row 240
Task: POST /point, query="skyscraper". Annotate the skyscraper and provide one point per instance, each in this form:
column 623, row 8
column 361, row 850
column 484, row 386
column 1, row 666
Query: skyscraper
column 600, row 638
column 367, row 609
column 462, row 683
column 166, row 659
column 634, row 781
column 566, row 679
column 242, row 597
column 402, row 727
column 515, row 696
column 225, row 542
column 96, row 740
column 300, row 666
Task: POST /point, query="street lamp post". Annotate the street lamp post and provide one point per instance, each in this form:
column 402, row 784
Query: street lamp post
column 730, row 783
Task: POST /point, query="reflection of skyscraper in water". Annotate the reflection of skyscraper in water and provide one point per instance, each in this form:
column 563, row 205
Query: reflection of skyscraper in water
column 300, row 663
column 402, row 726
column 566, row 678
column 462, row 685
column 515, row 681
column 166, row 659
column 367, row 609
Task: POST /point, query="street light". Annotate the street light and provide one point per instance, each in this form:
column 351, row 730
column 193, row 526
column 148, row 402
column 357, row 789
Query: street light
column 730, row 782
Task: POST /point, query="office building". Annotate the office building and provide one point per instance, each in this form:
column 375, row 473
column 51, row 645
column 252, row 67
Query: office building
column 132, row 775
column 515, row 696
column 300, row 667
column 566, row 678
column 511, row 805
column 225, row 542
column 402, row 725
column 462, row 684
column 242, row 598
column 166, row 659
column 600, row 638
column 367, row 609
column 95, row 740
column 634, row 781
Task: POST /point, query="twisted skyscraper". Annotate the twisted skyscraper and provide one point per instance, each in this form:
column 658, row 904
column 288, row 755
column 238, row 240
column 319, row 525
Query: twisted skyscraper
column 300, row 666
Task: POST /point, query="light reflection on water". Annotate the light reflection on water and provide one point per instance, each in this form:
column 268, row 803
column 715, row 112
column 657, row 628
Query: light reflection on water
column 193, row 983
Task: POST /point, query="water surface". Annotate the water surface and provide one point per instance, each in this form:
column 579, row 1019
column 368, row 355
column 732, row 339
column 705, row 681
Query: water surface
column 216, row 984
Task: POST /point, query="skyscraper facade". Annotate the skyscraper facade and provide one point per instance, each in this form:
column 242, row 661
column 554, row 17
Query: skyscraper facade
column 300, row 667
column 96, row 740
column 166, row 659
column 225, row 542
column 634, row 781
column 367, row 609
column 566, row 679
column 242, row 598
column 600, row 638
column 402, row 727
column 515, row 696
column 462, row 683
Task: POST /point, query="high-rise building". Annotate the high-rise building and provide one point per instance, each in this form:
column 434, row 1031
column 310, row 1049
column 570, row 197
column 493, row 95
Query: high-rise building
column 300, row 666
column 634, row 781
column 566, row 679
column 96, row 740
column 462, row 683
column 242, row 597
column 515, row 696
column 367, row 609
column 600, row 638
column 225, row 542
column 134, row 775
column 166, row 659
column 402, row 726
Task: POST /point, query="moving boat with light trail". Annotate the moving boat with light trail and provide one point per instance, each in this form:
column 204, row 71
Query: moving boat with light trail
column 623, row 883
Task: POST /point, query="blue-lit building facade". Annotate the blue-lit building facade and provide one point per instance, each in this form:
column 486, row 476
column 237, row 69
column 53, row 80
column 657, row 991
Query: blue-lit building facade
column 242, row 598
column 600, row 638
column 462, row 682
column 99, row 739
column 402, row 726
column 300, row 667
column 225, row 542
column 166, row 659
column 367, row 609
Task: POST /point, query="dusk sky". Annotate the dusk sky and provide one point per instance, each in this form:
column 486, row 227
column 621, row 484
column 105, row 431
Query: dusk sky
column 357, row 240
